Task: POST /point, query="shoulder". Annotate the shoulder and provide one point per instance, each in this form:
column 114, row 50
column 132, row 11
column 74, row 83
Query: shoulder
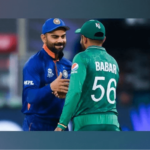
column 114, row 61
column 66, row 62
column 35, row 61
column 111, row 57
column 81, row 57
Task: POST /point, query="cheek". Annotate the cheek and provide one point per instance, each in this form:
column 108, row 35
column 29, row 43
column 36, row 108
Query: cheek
column 51, row 41
column 49, row 38
column 64, row 40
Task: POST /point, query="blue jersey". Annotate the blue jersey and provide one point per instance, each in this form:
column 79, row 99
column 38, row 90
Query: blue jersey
column 38, row 73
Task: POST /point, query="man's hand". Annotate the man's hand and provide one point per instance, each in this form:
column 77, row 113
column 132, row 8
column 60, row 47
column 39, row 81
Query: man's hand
column 60, row 85
column 58, row 129
column 60, row 95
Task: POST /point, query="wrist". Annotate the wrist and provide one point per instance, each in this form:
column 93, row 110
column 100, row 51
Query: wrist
column 63, row 127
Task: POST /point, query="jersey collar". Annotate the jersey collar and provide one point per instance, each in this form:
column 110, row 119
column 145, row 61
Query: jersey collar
column 50, row 53
column 97, row 47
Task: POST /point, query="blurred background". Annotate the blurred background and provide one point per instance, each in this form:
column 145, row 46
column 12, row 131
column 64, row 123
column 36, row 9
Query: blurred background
column 127, row 40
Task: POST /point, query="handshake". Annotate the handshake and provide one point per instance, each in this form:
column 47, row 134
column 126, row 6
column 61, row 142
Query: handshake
column 60, row 87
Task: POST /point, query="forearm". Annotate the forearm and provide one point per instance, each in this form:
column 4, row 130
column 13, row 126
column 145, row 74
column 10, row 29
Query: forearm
column 37, row 95
column 77, row 79
column 69, row 109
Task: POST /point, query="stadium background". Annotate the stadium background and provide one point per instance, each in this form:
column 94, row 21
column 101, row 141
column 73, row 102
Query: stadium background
column 127, row 40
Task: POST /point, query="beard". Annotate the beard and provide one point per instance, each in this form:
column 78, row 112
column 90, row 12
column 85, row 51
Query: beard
column 52, row 47
column 83, row 47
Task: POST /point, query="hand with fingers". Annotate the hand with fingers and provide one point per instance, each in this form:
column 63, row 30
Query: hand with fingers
column 58, row 129
column 60, row 95
column 60, row 86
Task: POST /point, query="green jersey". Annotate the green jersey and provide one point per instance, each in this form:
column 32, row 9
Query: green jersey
column 93, row 83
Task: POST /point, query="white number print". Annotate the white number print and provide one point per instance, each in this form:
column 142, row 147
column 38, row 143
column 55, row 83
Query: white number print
column 109, row 89
column 98, row 86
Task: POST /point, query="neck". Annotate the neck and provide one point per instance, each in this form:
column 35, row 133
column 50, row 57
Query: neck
column 56, row 56
column 94, row 44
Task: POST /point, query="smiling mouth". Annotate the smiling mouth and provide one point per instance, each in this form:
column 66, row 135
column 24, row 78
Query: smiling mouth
column 59, row 46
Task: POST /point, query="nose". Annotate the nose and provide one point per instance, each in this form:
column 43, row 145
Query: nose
column 60, row 40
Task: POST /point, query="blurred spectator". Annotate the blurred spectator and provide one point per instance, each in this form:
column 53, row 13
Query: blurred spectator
column 125, row 98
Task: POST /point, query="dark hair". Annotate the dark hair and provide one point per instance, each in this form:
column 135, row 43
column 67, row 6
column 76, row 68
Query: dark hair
column 96, row 41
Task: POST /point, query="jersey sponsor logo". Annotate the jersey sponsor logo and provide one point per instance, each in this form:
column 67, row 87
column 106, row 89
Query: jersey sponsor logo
column 97, row 25
column 74, row 68
column 49, row 73
column 65, row 74
column 27, row 82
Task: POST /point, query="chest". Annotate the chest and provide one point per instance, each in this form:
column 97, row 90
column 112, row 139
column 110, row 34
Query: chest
column 51, row 71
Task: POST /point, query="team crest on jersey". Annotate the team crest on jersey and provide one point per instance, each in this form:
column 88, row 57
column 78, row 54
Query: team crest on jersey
column 74, row 68
column 49, row 73
column 56, row 21
column 65, row 74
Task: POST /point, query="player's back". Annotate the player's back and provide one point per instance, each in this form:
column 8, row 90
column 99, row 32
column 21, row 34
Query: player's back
column 99, row 88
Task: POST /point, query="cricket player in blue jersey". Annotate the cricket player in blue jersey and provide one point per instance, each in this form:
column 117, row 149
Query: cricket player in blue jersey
column 44, row 73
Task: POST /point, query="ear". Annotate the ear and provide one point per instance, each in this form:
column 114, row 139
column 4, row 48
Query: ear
column 84, row 39
column 81, row 39
column 43, row 38
column 104, row 39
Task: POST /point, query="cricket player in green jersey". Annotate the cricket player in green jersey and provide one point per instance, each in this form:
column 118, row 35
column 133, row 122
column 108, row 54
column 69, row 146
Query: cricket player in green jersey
column 91, row 98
